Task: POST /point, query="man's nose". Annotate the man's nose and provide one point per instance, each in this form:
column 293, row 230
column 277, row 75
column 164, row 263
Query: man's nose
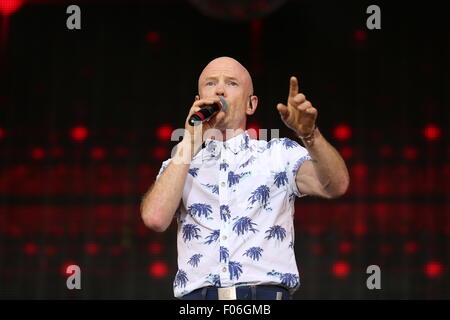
column 220, row 91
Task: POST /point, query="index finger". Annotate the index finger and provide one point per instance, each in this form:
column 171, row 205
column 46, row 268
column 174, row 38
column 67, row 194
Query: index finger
column 293, row 89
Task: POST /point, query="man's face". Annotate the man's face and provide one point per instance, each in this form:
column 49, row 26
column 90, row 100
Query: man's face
column 228, row 78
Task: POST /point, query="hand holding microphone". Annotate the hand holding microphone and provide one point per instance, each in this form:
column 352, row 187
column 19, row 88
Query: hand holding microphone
column 208, row 111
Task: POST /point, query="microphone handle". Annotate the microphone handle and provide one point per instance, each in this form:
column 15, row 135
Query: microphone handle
column 195, row 120
column 202, row 115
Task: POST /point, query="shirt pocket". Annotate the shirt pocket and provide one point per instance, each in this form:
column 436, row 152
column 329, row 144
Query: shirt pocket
column 258, row 190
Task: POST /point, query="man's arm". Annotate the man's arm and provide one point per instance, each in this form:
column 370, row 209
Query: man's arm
column 161, row 201
column 326, row 175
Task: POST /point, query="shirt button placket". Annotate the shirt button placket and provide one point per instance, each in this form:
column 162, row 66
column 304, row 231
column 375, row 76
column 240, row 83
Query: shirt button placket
column 223, row 200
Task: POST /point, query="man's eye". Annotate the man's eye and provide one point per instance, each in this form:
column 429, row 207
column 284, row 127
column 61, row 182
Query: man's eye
column 210, row 83
column 233, row 83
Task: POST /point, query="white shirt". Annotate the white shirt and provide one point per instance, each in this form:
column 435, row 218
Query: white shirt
column 235, row 220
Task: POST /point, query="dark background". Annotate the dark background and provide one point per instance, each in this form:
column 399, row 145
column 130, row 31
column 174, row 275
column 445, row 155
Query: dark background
column 86, row 117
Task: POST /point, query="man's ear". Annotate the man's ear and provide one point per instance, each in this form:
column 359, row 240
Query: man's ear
column 197, row 97
column 252, row 104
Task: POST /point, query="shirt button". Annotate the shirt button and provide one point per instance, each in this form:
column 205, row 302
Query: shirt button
column 222, row 184
column 224, row 237
column 224, row 269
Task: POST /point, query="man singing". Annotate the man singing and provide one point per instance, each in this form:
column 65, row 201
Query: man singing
column 233, row 196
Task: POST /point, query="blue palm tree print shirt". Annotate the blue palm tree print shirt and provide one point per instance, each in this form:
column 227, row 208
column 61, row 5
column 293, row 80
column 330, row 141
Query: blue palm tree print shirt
column 235, row 219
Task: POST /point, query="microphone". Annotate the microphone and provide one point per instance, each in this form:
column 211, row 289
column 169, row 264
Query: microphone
column 206, row 112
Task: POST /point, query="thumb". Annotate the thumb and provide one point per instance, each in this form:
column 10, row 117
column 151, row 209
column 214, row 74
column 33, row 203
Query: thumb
column 283, row 110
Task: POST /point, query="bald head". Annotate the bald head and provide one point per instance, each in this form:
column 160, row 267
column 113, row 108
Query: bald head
column 227, row 78
column 229, row 67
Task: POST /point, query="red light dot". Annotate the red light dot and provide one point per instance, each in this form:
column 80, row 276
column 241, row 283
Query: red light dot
column 142, row 231
column 382, row 212
column 410, row 247
column 57, row 231
column 61, row 170
column 106, row 170
column 253, row 130
column 315, row 229
column 160, row 153
column 340, row 269
column 360, row 170
column 64, row 267
column 98, row 153
column 360, row 35
column 446, row 169
column 360, row 229
column 158, row 269
column 345, row 247
column 49, row 250
column 8, row 7
column 30, row 248
column 317, row 249
column 256, row 25
column 153, row 37
column 154, row 248
column 238, row 12
column 104, row 211
column 381, row 188
column 434, row 269
column 14, row 231
column 410, row 153
column 57, row 152
column 105, row 189
column 263, row 5
column 164, row 133
column 21, row 170
column 432, row 132
column 37, row 153
column 121, row 151
column 79, row 133
column 385, row 151
column 385, row 249
column 145, row 170
column 92, row 248
column 2, row 133
column 102, row 230
column 342, row 132
column 115, row 250
column 346, row 152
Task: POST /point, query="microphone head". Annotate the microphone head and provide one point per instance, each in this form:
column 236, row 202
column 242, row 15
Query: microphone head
column 224, row 103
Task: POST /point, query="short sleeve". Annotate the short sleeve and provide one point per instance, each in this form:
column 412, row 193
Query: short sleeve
column 161, row 170
column 163, row 167
column 293, row 155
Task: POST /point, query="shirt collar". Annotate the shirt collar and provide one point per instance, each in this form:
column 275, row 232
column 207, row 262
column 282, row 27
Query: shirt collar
column 236, row 144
